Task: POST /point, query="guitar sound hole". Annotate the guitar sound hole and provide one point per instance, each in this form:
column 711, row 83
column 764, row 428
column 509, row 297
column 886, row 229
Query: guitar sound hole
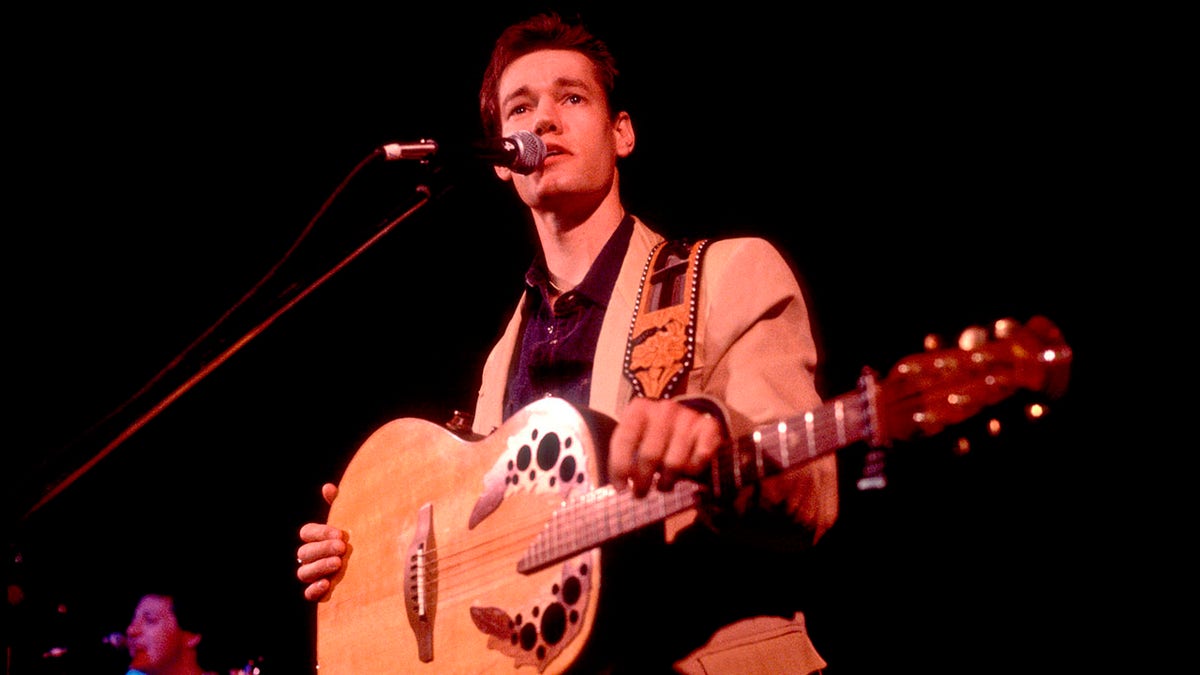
column 528, row 636
column 548, row 452
column 566, row 470
column 554, row 623
column 571, row 590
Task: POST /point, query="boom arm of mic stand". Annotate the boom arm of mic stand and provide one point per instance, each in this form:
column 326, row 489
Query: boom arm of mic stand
column 425, row 197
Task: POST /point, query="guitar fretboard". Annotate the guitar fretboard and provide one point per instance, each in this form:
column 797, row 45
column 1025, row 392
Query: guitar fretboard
column 773, row 448
column 601, row 515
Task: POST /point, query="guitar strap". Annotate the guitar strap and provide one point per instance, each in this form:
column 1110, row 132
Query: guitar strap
column 658, row 357
column 662, row 337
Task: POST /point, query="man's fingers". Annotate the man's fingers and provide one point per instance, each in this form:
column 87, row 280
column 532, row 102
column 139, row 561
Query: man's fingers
column 313, row 532
column 324, row 548
column 312, row 571
column 329, row 492
column 661, row 440
column 709, row 436
column 315, row 591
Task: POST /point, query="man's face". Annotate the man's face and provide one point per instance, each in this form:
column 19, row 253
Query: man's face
column 154, row 638
column 554, row 93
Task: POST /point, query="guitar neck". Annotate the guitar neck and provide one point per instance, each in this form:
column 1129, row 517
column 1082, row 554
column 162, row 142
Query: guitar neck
column 602, row 515
column 921, row 395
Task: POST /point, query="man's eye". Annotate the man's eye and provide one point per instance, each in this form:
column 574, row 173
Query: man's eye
column 518, row 110
column 574, row 98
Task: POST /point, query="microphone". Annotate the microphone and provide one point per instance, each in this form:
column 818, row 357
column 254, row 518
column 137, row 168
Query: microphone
column 422, row 150
column 522, row 152
column 115, row 640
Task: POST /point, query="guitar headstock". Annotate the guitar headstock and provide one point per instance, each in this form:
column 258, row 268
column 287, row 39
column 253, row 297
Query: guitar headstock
column 924, row 393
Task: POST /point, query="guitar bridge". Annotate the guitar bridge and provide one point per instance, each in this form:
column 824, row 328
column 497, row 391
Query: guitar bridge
column 420, row 584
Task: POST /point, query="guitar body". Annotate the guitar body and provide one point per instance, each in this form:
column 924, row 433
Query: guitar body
column 436, row 526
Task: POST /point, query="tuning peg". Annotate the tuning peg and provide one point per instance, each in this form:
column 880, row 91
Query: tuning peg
column 933, row 342
column 1006, row 328
column 972, row 338
column 993, row 427
column 962, row 446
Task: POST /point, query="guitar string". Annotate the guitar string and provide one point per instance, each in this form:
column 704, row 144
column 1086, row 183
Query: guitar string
column 485, row 560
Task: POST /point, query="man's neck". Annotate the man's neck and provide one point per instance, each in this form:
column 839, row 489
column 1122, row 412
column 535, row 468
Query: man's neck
column 571, row 246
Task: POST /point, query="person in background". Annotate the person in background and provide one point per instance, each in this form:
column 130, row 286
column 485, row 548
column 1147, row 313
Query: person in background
column 726, row 594
column 165, row 634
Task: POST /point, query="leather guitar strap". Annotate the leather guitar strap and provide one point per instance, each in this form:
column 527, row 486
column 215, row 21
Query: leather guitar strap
column 662, row 338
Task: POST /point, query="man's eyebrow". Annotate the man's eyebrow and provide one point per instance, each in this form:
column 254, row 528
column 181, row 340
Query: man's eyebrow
column 517, row 93
column 564, row 82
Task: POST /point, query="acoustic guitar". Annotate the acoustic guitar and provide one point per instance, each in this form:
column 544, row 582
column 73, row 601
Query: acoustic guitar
column 482, row 555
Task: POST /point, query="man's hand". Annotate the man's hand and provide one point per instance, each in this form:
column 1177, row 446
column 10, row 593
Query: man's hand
column 663, row 440
column 320, row 556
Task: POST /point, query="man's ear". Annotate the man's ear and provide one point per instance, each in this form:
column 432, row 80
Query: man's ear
column 623, row 134
column 503, row 172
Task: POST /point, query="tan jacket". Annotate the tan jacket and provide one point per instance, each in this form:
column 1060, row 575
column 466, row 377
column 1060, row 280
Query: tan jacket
column 756, row 356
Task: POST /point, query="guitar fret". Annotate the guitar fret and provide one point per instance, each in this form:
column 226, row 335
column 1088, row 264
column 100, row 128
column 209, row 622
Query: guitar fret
column 783, row 446
column 810, row 430
column 591, row 499
column 578, row 528
column 839, row 413
column 611, row 515
column 758, row 455
column 660, row 506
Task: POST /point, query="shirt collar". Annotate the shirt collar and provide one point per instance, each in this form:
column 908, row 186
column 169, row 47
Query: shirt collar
column 601, row 277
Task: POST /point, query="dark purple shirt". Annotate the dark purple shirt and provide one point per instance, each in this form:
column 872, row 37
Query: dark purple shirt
column 558, row 342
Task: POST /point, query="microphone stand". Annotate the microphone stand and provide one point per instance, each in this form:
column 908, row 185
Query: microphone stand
column 11, row 567
column 54, row 490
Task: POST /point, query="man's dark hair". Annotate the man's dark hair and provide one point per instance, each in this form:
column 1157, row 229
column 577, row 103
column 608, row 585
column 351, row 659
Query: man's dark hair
column 542, row 31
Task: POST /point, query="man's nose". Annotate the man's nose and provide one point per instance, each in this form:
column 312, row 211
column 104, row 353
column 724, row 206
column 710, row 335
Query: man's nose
column 547, row 119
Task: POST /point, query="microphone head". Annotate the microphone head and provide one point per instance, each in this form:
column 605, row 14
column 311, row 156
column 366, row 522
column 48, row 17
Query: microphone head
column 116, row 640
column 530, row 152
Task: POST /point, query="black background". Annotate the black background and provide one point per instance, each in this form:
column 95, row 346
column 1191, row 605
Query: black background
column 925, row 173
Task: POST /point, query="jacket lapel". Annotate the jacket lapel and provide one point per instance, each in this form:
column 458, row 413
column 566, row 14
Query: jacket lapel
column 610, row 389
